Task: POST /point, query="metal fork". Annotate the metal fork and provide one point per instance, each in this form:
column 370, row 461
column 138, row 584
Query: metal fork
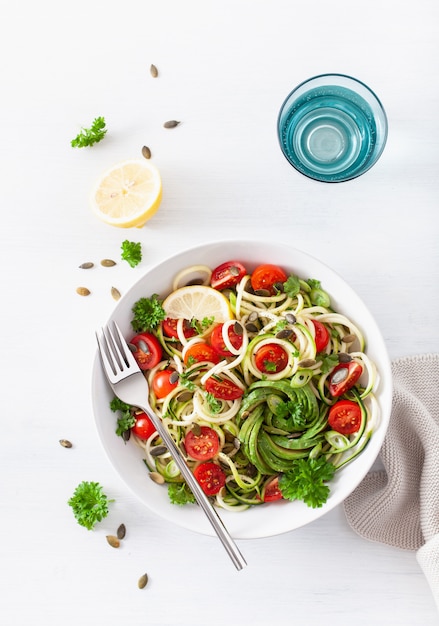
column 131, row 386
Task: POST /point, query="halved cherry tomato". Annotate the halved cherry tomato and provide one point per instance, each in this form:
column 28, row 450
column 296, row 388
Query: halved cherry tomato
column 227, row 275
column 266, row 276
column 217, row 340
column 272, row 491
column 149, row 351
column 344, row 377
column 204, row 446
column 223, row 389
column 271, row 358
column 200, row 352
column 345, row 417
column 170, row 328
column 321, row 335
column 143, row 427
column 211, row 477
column 161, row 383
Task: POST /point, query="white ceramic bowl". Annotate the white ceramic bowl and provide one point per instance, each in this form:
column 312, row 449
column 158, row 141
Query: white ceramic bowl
column 281, row 516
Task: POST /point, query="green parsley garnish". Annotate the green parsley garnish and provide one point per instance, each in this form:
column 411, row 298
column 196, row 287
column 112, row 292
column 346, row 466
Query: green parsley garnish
column 148, row 313
column 306, row 481
column 131, row 252
column 89, row 504
column 179, row 493
column 292, row 286
column 126, row 420
column 214, row 404
column 90, row 136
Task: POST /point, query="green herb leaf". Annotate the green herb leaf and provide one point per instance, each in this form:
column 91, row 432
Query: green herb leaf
column 306, row 481
column 328, row 362
column 127, row 420
column 131, row 252
column 90, row 136
column 148, row 313
column 214, row 404
column 292, row 286
column 179, row 493
column 89, row 504
column 292, row 412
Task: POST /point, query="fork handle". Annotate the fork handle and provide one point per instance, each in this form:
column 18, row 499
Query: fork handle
column 196, row 489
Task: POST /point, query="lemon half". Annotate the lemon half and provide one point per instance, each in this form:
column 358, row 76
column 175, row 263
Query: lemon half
column 197, row 302
column 128, row 194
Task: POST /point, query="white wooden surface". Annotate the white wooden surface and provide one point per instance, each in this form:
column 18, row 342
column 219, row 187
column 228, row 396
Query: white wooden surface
column 225, row 68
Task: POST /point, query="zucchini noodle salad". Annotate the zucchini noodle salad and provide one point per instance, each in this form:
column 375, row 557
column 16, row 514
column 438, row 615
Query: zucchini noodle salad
column 266, row 390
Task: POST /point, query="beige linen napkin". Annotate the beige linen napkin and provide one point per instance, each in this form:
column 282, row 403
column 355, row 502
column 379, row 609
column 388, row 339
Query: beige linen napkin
column 399, row 505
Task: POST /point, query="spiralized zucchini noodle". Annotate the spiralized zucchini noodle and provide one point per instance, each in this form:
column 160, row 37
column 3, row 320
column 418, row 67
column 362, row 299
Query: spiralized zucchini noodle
column 282, row 412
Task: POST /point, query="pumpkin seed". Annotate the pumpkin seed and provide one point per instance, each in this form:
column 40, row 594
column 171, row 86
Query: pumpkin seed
column 171, row 124
column 83, row 291
column 344, row 357
column 146, row 152
column 142, row 345
column 279, row 287
column 115, row 293
column 262, row 292
column 184, row 396
column 196, row 429
column 108, row 262
column 158, row 450
column 121, row 531
column 348, row 338
column 253, row 316
column 251, row 328
column 174, row 377
column 291, row 318
column 306, row 363
column 113, row 541
column 154, row 71
column 238, row 329
column 143, row 581
column 87, row 265
column 157, row 478
column 126, row 434
column 284, row 334
column 339, row 376
column 66, row 443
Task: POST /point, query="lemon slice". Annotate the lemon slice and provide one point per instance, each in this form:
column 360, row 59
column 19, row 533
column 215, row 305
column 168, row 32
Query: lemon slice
column 197, row 302
column 128, row 194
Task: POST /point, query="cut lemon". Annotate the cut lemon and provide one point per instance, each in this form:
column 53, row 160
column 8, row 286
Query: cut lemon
column 128, row 194
column 197, row 302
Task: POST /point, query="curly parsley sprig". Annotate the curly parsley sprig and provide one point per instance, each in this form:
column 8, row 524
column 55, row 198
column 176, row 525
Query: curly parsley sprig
column 89, row 504
column 306, row 481
column 89, row 136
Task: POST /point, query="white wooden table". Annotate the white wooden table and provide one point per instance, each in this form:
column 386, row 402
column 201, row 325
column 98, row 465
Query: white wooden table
column 225, row 68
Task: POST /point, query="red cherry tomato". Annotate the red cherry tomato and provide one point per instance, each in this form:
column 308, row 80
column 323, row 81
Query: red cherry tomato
column 170, row 328
column 200, row 352
column 266, row 276
column 344, row 377
column 223, row 389
column 143, row 427
column 272, row 491
column 161, row 383
column 271, row 358
column 149, row 350
column 345, row 417
column 211, row 477
column 321, row 335
column 217, row 340
column 227, row 275
column 204, row 446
